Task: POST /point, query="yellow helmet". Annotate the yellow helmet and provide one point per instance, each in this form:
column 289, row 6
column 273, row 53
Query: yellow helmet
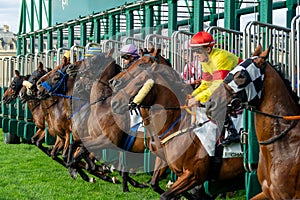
column 67, row 54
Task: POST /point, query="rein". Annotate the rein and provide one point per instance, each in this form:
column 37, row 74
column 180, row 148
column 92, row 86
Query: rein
column 102, row 98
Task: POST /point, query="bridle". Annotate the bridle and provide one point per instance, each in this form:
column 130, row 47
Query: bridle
column 237, row 104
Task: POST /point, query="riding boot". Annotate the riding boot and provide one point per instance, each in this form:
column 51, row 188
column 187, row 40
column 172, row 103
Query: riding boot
column 233, row 135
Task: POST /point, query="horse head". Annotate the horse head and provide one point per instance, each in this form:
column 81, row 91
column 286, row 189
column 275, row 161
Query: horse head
column 158, row 74
column 148, row 58
column 55, row 81
column 243, row 84
column 14, row 88
column 29, row 89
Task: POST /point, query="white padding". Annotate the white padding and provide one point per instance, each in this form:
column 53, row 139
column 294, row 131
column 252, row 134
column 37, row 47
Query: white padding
column 27, row 84
column 143, row 91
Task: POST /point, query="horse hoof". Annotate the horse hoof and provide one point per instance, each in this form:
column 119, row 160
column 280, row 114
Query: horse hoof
column 115, row 180
column 92, row 180
column 73, row 173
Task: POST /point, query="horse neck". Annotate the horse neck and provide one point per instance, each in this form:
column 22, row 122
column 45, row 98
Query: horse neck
column 276, row 100
column 33, row 103
column 169, row 105
column 276, row 97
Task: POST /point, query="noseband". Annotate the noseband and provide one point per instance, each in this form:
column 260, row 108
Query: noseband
column 236, row 103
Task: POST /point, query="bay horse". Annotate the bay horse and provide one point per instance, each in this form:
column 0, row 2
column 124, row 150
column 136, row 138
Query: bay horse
column 163, row 116
column 104, row 66
column 277, row 130
column 12, row 93
column 18, row 87
column 58, row 112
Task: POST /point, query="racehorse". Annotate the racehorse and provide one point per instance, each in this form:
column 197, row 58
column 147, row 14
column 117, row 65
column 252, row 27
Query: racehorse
column 60, row 124
column 162, row 115
column 260, row 88
column 149, row 57
column 15, row 88
column 102, row 66
column 34, row 106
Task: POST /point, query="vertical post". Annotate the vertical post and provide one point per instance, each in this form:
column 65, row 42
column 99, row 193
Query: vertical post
column 129, row 23
column 24, row 41
column 40, row 37
column 106, row 28
column 112, row 26
column 97, row 30
column 213, row 11
column 60, row 38
column 229, row 14
column 32, row 38
column 172, row 18
column 291, row 11
column 158, row 20
column 70, row 36
column 198, row 16
column 265, row 11
column 49, row 34
column 82, row 33
column 149, row 22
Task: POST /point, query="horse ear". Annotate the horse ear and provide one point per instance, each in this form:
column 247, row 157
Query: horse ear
column 156, row 52
column 265, row 54
column 143, row 51
column 151, row 49
column 257, row 50
column 109, row 52
column 17, row 73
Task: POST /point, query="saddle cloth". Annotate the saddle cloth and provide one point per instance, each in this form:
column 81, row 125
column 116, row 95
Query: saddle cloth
column 208, row 135
column 136, row 122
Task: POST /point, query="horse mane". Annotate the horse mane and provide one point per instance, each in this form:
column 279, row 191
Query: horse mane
column 287, row 84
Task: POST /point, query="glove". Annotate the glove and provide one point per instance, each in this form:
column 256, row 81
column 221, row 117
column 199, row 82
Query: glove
column 133, row 106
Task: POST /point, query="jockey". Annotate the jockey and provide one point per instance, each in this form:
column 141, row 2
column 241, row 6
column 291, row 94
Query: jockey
column 216, row 64
column 129, row 54
column 37, row 74
column 66, row 58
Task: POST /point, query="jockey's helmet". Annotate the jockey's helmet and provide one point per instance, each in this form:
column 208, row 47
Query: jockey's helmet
column 93, row 51
column 67, row 54
column 129, row 49
column 202, row 39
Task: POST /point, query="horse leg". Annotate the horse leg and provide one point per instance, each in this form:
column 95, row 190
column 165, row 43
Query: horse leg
column 56, row 147
column 40, row 134
column 125, row 177
column 185, row 182
column 71, row 151
column 66, row 146
column 158, row 172
column 41, row 139
column 89, row 159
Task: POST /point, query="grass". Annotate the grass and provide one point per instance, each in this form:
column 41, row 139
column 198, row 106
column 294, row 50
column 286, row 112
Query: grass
column 26, row 173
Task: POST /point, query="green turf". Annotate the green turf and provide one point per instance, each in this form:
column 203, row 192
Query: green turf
column 27, row 173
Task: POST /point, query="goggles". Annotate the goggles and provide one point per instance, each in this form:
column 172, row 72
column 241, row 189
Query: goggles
column 126, row 57
column 199, row 50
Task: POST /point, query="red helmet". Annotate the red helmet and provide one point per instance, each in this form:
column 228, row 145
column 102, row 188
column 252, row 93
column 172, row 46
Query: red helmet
column 202, row 38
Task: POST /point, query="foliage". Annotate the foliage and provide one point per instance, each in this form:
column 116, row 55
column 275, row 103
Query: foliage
column 27, row 173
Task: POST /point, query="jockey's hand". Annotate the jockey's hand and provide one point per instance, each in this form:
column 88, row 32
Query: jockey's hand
column 192, row 102
column 189, row 96
column 133, row 106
